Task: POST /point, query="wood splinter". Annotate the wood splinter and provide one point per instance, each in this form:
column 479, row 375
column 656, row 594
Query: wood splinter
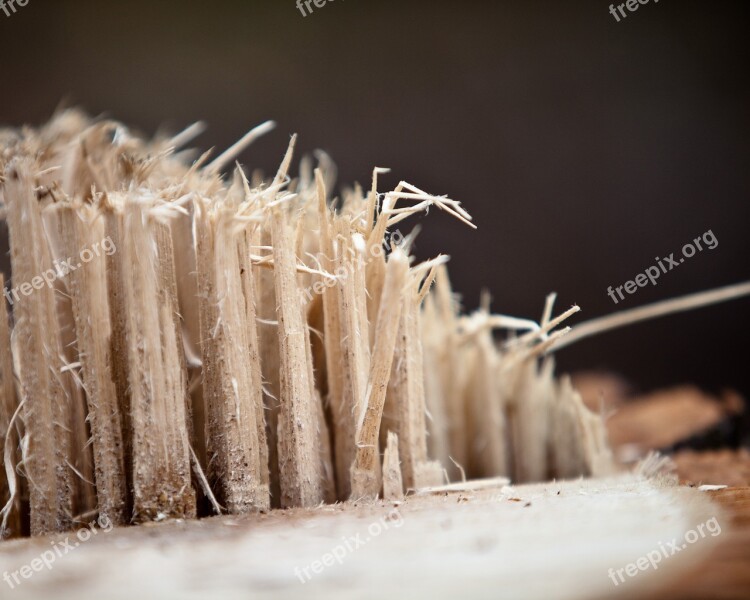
column 365, row 470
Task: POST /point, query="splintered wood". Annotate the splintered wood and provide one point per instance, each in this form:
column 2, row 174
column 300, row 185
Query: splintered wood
column 185, row 342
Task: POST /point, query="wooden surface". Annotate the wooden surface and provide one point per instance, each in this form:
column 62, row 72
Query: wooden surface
column 479, row 541
column 725, row 572
column 554, row 540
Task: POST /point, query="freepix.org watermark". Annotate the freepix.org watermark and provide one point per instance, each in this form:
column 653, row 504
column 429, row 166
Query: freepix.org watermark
column 707, row 240
column 653, row 558
column 61, row 268
column 631, row 5
column 308, row 4
column 349, row 545
column 9, row 7
column 59, row 549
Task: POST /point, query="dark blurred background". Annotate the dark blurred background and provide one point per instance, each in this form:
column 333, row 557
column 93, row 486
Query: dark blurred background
column 584, row 147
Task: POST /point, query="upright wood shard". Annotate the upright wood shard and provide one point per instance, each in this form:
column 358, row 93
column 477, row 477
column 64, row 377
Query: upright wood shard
column 450, row 373
column 528, row 400
column 182, row 235
column 80, row 229
column 577, row 441
column 268, row 342
column 393, row 486
column 355, row 345
column 118, row 343
column 347, row 334
column 46, row 399
column 81, row 456
column 342, row 413
column 323, row 436
column 405, row 402
column 247, row 276
column 488, row 455
column 232, row 386
column 161, row 454
column 365, row 470
column 299, row 457
column 435, row 395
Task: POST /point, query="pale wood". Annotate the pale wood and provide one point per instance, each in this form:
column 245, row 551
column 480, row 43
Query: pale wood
column 355, row 343
column 451, row 373
column 462, row 544
column 298, row 442
column 79, row 228
column 161, row 461
column 530, row 398
column 181, row 229
column 118, row 343
column 8, row 435
column 43, row 393
column 253, row 360
column 488, row 452
column 261, row 337
column 232, row 386
column 81, row 456
column 342, row 407
column 268, row 340
column 393, row 485
column 365, row 476
column 405, row 399
column 435, row 395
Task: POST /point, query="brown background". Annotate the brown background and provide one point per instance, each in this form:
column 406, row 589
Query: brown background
column 582, row 146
